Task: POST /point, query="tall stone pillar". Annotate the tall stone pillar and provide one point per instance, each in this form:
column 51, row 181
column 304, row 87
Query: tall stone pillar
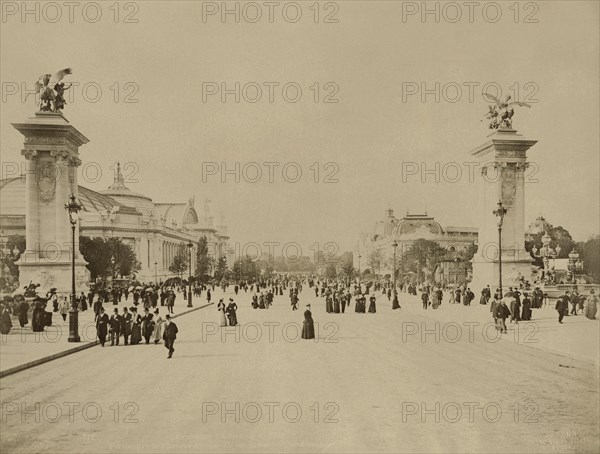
column 32, row 234
column 503, row 161
column 51, row 147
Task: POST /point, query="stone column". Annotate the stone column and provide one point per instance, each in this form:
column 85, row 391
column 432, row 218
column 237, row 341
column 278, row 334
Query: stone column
column 32, row 236
column 51, row 146
column 503, row 161
column 75, row 162
column 62, row 223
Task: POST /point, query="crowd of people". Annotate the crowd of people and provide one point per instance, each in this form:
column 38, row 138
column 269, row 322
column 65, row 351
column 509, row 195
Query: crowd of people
column 143, row 321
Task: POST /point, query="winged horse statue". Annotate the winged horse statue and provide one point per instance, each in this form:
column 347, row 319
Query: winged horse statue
column 51, row 90
column 500, row 115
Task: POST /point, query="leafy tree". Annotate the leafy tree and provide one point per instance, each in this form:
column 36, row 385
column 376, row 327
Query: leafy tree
column 559, row 235
column 245, row 269
column 375, row 260
column 266, row 268
column 180, row 261
column 348, row 272
column 330, row 271
column 591, row 257
column 99, row 252
column 204, row 262
column 126, row 262
column 221, row 268
column 421, row 258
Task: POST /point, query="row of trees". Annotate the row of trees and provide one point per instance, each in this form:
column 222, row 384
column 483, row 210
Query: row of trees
column 205, row 264
column 419, row 260
column 100, row 252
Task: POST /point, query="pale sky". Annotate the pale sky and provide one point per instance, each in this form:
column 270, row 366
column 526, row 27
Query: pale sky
column 369, row 55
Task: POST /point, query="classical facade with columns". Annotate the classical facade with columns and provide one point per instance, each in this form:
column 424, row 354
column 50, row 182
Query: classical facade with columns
column 33, row 205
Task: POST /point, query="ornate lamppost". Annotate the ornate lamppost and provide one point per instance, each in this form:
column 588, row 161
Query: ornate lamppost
column 394, row 245
column 546, row 253
column 500, row 212
column 73, row 207
column 359, row 256
column 156, row 273
column 574, row 266
column 190, row 246
column 113, row 262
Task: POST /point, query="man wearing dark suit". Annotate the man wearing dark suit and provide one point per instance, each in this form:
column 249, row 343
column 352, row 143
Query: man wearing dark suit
column 170, row 335
column 424, row 298
column 574, row 301
column 126, row 320
column 488, row 293
column 102, row 326
column 115, row 327
column 562, row 306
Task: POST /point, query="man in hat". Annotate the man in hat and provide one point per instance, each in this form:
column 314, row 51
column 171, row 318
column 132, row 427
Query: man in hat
column 170, row 335
column 97, row 307
column 126, row 320
column 562, row 306
column 102, row 326
column 115, row 327
column 501, row 314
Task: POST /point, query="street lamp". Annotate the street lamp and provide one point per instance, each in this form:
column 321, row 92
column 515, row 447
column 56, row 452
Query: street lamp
column 190, row 246
column 112, row 262
column 394, row 245
column 500, row 212
column 359, row 256
column 155, row 273
column 546, row 253
column 73, row 208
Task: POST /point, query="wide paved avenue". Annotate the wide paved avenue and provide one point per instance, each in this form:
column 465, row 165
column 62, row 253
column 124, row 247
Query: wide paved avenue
column 365, row 385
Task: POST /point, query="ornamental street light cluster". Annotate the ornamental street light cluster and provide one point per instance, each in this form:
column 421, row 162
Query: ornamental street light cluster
column 546, row 253
column 575, row 266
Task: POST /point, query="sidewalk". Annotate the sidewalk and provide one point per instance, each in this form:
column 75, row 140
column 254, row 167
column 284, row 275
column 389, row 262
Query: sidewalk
column 22, row 348
column 577, row 338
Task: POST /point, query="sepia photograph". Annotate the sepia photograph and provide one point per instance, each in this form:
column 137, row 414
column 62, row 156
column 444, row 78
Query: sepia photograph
column 310, row 226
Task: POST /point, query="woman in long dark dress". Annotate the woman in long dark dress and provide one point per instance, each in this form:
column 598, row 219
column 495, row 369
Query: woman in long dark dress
column 147, row 326
column 136, row 330
column 395, row 304
column 23, row 308
column 231, row 315
column 372, row 307
column 308, row 326
column 5, row 321
column 38, row 319
column 357, row 304
column 336, row 304
column 328, row 304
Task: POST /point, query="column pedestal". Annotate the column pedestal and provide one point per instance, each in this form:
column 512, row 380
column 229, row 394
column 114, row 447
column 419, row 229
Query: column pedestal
column 51, row 146
column 503, row 161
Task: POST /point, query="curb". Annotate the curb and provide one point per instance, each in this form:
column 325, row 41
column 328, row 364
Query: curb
column 46, row 359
